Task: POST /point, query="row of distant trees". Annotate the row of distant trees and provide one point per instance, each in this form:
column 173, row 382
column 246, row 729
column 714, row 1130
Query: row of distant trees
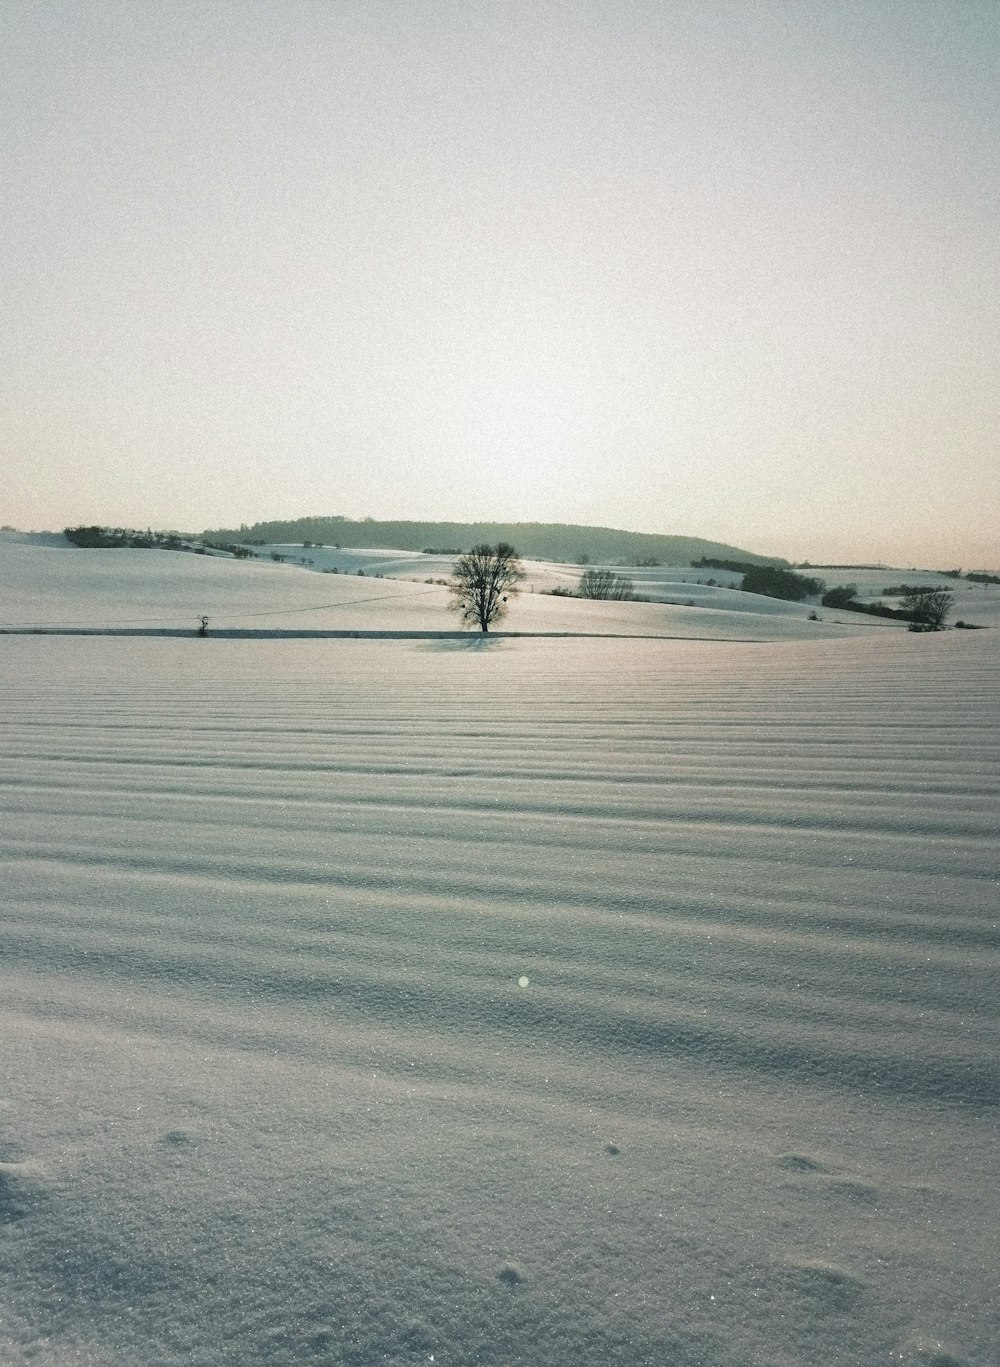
column 925, row 607
column 91, row 538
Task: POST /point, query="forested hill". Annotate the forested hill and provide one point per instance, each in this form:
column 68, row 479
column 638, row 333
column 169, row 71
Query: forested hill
column 537, row 540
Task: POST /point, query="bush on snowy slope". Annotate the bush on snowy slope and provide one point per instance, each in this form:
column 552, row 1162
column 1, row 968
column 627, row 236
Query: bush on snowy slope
column 776, row 583
column 606, row 584
column 927, row 608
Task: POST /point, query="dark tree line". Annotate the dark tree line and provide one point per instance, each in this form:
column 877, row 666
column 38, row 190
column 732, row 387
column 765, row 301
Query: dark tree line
column 773, row 582
column 924, row 607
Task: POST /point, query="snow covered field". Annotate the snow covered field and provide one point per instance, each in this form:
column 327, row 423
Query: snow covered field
column 492, row 1001
column 57, row 585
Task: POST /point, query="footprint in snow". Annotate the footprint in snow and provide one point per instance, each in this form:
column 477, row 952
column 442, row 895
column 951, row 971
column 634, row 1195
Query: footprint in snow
column 828, row 1286
column 179, row 1139
column 801, row 1162
column 921, row 1350
column 17, row 1193
column 861, row 1192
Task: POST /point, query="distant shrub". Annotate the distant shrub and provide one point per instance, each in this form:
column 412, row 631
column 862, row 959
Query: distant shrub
column 841, row 597
column 927, row 609
column 775, row 583
column 87, row 537
column 606, row 584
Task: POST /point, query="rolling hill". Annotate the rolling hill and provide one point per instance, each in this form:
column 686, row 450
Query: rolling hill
column 538, row 540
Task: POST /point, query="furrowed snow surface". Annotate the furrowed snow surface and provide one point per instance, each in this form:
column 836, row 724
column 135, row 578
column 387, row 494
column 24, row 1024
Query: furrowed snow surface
column 273, row 1090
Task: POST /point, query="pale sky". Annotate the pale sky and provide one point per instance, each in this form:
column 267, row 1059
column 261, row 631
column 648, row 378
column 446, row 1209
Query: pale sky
column 717, row 269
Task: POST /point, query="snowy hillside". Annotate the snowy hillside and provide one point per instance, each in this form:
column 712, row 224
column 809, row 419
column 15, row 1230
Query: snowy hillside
column 372, row 591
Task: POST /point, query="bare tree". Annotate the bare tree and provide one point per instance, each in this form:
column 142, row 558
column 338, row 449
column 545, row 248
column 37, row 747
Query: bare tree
column 606, row 584
column 482, row 582
column 927, row 607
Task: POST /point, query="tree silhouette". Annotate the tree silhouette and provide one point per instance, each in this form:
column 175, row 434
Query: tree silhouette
column 482, row 582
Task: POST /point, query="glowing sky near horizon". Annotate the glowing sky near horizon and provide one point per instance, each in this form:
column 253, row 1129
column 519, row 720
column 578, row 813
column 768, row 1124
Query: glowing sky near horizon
column 718, row 269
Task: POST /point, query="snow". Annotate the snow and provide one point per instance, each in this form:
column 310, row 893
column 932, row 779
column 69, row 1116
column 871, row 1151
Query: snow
column 147, row 591
column 497, row 1001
